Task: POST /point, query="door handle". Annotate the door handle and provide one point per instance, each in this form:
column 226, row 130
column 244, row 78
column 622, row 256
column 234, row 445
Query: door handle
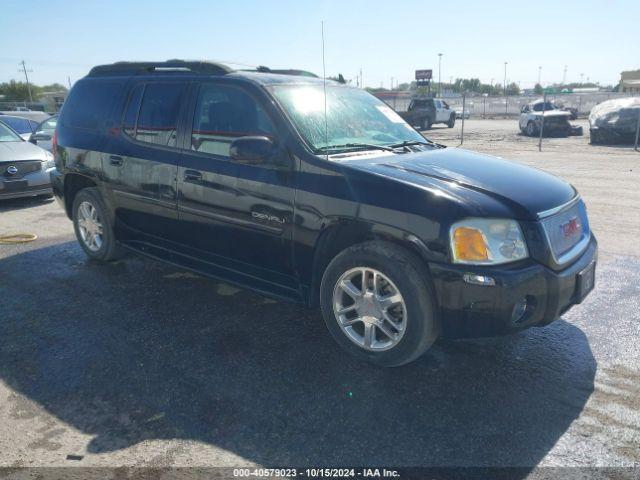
column 115, row 160
column 192, row 175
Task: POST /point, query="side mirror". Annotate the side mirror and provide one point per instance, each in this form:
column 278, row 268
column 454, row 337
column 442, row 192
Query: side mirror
column 39, row 136
column 252, row 150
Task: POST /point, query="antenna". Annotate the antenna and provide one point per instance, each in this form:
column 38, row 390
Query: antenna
column 324, row 86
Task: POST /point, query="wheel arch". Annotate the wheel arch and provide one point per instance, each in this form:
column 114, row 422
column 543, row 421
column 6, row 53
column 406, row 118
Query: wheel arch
column 343, row 233
column 73, row 183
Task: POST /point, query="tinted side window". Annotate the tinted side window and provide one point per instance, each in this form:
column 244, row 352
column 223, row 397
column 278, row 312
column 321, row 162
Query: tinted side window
column 90, row 104
column 223, row 114
column 158, row 119
column 131, row 114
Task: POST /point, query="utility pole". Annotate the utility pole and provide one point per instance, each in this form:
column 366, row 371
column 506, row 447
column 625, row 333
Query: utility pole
column 439, row 75
column 506, row 103
column 391, row 83
column 564, row 75
column 69, row 80
column 581, row 78
column 361, row 81
column 24, row 69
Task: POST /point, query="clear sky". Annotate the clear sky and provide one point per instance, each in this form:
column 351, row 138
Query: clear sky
column 64, row 38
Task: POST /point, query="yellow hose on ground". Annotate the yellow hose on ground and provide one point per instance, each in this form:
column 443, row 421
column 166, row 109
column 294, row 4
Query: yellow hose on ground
column 17, row 238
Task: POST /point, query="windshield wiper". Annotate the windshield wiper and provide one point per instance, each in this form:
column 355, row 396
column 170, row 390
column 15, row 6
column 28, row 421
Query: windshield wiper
column 408, row 143
column 370, row 146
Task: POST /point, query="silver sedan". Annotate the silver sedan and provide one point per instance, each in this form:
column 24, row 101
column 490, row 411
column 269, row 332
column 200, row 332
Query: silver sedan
column 24, row 167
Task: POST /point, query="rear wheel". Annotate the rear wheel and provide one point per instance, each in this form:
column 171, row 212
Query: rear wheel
column 92, row 226
column 425, row 124
column 378, row 304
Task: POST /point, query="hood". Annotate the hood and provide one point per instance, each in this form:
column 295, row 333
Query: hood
column 552, row 113
column 526, row 191
column 16, row 151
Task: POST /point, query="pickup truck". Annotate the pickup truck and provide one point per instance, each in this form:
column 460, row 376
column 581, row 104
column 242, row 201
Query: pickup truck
column 424, row 112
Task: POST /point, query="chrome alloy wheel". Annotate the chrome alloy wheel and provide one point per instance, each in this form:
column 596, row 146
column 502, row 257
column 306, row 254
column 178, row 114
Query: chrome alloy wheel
column 369, row 309
column 90, row 226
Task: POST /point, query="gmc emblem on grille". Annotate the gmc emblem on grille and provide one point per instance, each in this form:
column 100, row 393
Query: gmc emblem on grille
column 571, row 227
column 12, row 170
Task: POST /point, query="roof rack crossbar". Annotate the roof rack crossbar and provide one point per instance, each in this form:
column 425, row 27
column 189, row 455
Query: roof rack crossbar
column 121, row 68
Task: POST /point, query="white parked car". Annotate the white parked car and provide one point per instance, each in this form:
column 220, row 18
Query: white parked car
column 556, row 121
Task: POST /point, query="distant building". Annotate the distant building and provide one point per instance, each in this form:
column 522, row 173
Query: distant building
column 630, row 81
column 53, row 101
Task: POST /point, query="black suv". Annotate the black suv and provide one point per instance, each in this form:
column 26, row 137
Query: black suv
column 319, row 193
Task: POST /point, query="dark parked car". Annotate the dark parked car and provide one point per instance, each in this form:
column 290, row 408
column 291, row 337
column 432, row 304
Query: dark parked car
column 242, row 177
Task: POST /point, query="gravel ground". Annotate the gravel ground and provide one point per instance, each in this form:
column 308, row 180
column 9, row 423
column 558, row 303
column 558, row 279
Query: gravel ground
column 141, row 364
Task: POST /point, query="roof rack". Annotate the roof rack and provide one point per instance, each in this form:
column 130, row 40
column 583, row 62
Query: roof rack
column 136, row 68
column 299, row 73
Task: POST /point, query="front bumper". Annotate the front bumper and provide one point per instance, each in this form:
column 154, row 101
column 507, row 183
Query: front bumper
column 31, row 184
column 469, row 310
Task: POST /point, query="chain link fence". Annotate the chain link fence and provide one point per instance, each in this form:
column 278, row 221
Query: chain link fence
column 479, row 106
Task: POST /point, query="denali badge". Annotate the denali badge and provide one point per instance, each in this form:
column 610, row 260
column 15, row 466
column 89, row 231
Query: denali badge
column 264, row 216
column 12, row 170
column 571, row 227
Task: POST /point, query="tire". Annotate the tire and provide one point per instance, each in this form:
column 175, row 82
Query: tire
column 397, row 270
column 86, row 202
column 452, row 121
column 531, row 129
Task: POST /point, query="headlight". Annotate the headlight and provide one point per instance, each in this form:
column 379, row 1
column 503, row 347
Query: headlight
column 49, row 161
column 487, row 241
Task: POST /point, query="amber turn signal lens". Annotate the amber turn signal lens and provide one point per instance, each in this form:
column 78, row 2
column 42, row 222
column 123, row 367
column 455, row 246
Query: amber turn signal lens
column 469, row 245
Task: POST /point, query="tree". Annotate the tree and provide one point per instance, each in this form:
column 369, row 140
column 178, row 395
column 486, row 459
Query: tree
column 538, row 90
column 19, row 92
column 513, row 89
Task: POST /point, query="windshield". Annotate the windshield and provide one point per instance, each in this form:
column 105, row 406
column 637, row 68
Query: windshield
column 538, row 107
column 20, row 125
column 354, row 117
column 8, row 135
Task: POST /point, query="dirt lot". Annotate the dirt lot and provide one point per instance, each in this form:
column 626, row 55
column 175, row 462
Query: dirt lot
column 138, row 363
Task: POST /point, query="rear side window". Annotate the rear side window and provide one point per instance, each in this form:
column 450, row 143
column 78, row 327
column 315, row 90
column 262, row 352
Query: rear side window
column 157, row 121
column 131, row 114
column 223, row 114
column 90, row 104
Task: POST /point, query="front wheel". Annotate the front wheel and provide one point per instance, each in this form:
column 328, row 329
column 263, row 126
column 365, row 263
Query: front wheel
column 92, row 227
column 531, row 129
column 378, row 304
column 452, row 121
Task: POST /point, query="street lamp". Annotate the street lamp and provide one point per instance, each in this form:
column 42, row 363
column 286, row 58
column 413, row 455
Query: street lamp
column 506, row 103
column 539, row 74
column 439, row 75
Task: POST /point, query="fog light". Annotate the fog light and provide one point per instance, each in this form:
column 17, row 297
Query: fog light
column 519, row 310
column 474, row 279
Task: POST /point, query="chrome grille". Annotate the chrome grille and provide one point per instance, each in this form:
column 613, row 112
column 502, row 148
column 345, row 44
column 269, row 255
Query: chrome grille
column 567, row 232
column 22, row 168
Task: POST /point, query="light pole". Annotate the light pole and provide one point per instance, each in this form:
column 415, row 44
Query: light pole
column 506, row 103
column 539, row 75
column 439, row 75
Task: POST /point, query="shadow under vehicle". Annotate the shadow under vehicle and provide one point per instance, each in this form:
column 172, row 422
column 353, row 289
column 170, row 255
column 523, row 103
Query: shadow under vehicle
column 147, row 352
